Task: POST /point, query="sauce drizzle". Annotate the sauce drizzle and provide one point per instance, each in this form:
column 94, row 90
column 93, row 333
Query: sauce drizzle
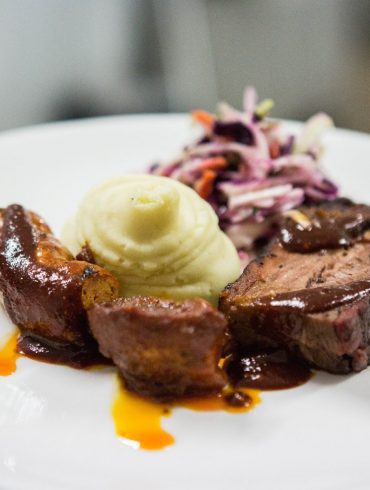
column 313, row 300
column 45, row 350
column 9, row 355
column 324, row 228
column 272, row 369
column 138, row 420
column 221, row 401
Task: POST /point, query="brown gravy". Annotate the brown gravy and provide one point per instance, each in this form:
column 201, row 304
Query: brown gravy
column 314, row 300
column 45, row 350
column 319, row 235
column 266, row 370
column 326, row 229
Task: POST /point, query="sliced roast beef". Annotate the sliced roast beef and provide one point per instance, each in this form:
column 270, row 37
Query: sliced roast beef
column 164, row 349
column 311, row 291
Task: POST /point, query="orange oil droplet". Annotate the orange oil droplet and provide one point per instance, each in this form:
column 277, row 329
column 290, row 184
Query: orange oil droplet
column 218, row 402
column 8, row 356
column 139, row 420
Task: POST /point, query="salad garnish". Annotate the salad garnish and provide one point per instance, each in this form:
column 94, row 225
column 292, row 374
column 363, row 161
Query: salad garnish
column 250, row 170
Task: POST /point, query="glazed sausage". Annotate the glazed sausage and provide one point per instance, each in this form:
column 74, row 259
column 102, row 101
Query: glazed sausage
column 46, row 292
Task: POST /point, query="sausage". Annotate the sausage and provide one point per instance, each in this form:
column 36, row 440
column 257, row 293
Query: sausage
column 46, row 292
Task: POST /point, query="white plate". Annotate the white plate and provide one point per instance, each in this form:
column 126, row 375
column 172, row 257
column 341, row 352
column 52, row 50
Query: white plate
column 55, row 426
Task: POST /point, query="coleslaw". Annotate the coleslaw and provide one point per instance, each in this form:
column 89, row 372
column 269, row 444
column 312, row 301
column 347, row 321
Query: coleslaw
column 250, row 170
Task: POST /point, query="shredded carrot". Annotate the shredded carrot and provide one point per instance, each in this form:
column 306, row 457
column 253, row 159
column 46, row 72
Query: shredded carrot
column 213, row 163
column 203, row 117
column 204, row 185
column 274, row 149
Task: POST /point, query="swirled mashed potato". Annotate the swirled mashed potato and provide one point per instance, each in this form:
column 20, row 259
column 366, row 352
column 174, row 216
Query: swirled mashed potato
column 157, row 236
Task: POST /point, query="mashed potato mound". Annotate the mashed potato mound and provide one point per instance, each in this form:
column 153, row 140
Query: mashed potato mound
column 157, row 236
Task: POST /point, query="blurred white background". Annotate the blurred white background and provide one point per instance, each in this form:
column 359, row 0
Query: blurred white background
column 63, row 59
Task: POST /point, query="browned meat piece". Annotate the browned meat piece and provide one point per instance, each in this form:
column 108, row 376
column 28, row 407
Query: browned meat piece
column 46, row 292
column 164, row 349
column 315, row 303
column 86, row 255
